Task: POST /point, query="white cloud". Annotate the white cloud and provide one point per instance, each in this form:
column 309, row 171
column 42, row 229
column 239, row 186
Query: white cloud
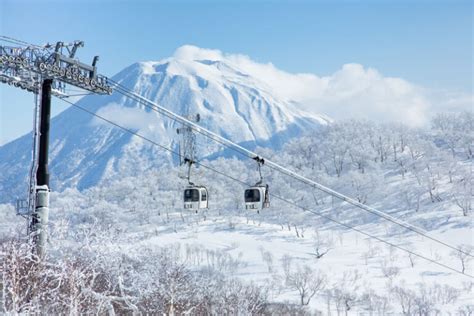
column 354, row 91
column 190, row 52
column 132, row 118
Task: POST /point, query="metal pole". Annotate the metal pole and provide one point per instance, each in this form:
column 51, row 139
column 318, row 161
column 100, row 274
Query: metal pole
column 42, row 174
column 39, row 219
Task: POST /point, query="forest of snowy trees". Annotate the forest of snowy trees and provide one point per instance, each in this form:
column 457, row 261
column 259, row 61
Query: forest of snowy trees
column 162, row 281
column 98, row 261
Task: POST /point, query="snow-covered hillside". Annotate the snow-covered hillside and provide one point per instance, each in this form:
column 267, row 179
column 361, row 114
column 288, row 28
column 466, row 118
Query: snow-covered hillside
column 121, row 242
column 285, row 260
column 230, row 102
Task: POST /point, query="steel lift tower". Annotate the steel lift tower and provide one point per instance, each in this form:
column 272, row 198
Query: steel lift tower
column 187, row 144
column 45, row 71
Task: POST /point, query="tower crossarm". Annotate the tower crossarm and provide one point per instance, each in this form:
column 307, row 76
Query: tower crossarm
column 26, row 66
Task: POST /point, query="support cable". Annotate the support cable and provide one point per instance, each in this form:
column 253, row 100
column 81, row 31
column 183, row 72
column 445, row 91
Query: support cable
column 15, row 41
column 273, row 195
column 249, row 154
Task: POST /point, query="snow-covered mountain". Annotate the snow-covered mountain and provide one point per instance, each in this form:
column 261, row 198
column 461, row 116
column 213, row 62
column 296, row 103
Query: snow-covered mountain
column 85, row 151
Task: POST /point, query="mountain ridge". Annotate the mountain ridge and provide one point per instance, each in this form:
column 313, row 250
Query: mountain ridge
column 84, row 151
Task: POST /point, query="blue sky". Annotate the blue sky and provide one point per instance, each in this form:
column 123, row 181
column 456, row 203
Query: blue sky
column 428, row 43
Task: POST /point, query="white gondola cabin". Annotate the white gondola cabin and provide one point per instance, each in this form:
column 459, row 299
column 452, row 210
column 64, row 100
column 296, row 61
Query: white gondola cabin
column 256, row 198
column 195, row 198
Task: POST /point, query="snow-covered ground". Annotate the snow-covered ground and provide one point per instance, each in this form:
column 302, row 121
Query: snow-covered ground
column 421, row 177
column 356, row 270
column 261, row 248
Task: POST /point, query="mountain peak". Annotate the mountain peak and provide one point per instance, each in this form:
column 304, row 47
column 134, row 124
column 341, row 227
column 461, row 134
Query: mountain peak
column 231, row 101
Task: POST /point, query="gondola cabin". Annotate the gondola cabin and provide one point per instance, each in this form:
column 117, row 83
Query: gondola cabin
column 256, row 198
column 195, row 198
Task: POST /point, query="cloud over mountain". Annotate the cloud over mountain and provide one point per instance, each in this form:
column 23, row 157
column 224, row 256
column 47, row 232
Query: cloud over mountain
column 354, row 91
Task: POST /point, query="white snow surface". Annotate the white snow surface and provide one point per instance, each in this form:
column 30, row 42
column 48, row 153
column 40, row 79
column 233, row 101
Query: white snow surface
column 144, row 210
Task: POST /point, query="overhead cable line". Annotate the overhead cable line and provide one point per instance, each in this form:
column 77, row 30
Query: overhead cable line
column 249, row 154
column 274, row 195
column 17, row 41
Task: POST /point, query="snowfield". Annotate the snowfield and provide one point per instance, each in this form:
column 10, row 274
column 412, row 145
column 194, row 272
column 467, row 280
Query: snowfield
column 121, row 243
column 304, row 263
